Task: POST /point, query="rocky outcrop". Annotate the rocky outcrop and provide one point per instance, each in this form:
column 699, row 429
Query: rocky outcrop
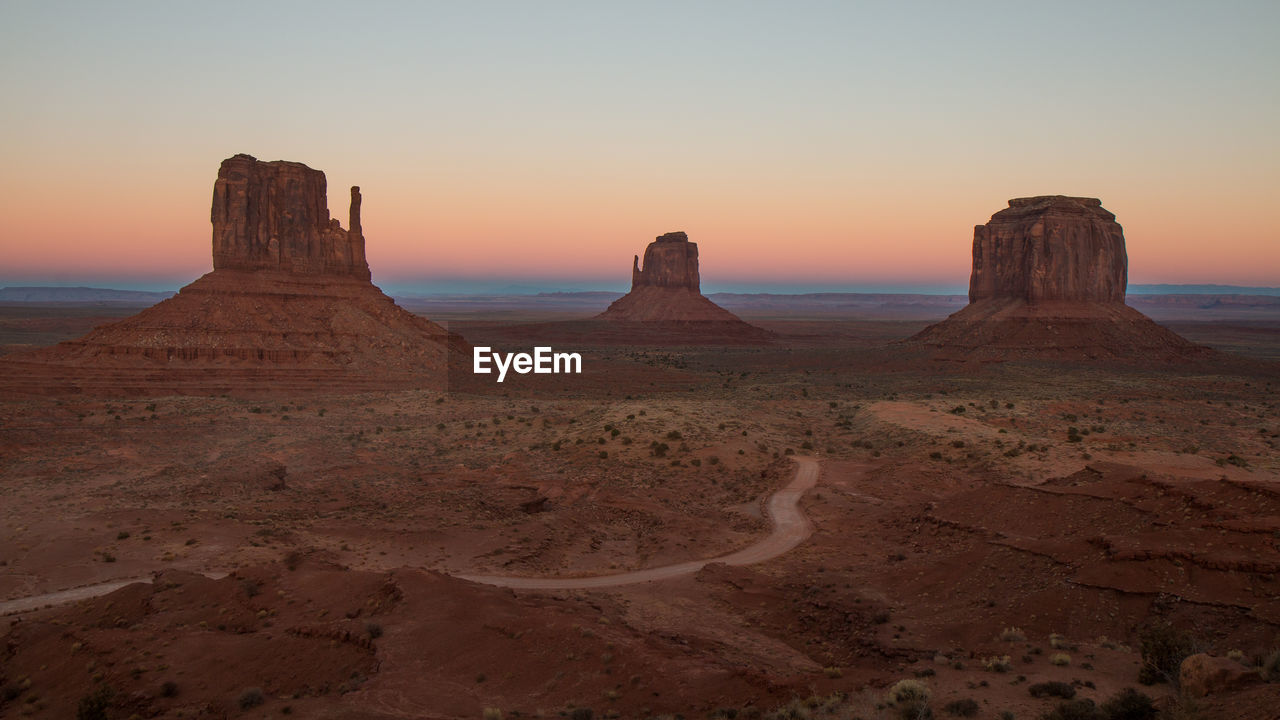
column 275, row 216
column 1048, row 281
column 666, row 298
column 670, row 261
column 288, row 306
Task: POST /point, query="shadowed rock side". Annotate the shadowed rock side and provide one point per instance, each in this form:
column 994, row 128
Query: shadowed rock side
column 665, row 297
column 289, row 305
column 1048, row 281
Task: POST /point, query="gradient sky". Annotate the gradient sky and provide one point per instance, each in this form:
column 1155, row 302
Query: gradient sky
column 839, row 144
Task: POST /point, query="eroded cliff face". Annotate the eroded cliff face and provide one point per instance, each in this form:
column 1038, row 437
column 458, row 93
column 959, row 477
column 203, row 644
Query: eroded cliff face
column 275, row 216
column 669, row 261
column 1049, row 248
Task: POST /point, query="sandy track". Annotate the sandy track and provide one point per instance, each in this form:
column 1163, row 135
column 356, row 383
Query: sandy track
column 790, row 528
column 61, row 597
column 84, row 592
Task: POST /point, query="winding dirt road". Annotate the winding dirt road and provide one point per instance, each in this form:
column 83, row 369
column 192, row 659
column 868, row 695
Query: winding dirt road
column 790, row 528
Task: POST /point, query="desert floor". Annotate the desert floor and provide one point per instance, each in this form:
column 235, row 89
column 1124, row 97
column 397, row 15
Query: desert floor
column 305, row 552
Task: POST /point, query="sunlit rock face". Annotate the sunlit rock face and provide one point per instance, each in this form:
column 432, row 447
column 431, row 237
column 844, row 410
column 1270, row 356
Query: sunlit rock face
column 275, row 216
column 1049, row 248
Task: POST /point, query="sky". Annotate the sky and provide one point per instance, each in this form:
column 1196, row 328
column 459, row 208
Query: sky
column 826, row 145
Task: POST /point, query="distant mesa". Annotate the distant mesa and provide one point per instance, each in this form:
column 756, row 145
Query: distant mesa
column 1048, row 281
column 665, row 293
column 289, row 305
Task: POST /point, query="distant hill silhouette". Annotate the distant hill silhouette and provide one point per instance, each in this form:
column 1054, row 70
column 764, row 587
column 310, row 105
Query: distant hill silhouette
column 38, row 294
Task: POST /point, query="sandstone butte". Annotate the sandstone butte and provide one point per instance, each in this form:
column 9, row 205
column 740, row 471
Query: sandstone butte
column 1048, row 281
column 289, row 305
column 666, row 294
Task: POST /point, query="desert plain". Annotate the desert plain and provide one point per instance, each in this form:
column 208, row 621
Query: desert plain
column 301, row 551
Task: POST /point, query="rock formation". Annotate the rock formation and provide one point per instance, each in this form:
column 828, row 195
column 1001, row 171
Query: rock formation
column 1048, row 281
column 670, row 261
column 1050, row 248
column 666, row 296
column 289, row 305
column 275, row 216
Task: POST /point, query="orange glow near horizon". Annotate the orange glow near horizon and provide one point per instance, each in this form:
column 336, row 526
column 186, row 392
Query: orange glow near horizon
column 836, row 145
column 746, row 234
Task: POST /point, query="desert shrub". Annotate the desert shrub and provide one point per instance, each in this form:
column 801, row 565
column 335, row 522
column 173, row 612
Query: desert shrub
column 1013, row 634
column 911, row 697
column 169, row 689
column 674, row 435
column 250, row 698
column 1060, row 659
column 967, row 707
column 582, row 713
column 1163, row 648
column 658, row 449
column 1053, row 688
column 373, row 629
column 94, row 705
column 1075, row 710
column 492, row 714
column 1000, row 664
column 1271, row 667
column 1129, row 704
